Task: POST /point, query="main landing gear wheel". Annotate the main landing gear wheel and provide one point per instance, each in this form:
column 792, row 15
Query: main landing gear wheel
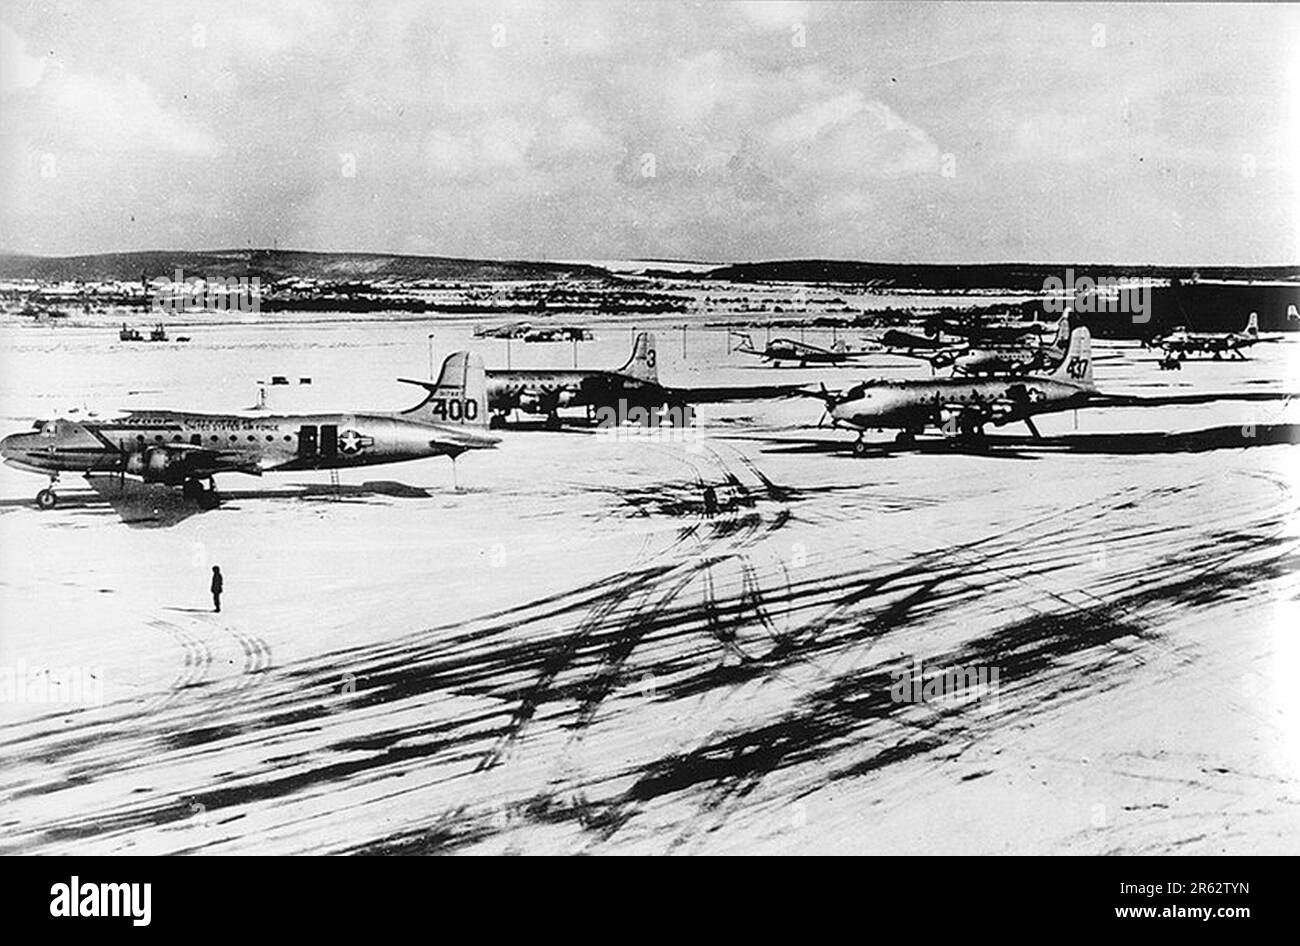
column 905, row 438
column 859, row 447
column 46, row 499
column 204, row 496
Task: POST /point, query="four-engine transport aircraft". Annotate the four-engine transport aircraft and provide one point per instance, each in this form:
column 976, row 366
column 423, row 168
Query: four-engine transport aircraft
column 1180, row 343
column 184, row 449
column 962, row 406
column 546, row 390
column 787, row 349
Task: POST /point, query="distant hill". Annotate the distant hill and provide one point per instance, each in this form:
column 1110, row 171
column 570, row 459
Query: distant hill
column 966, row 276
column 270, row 265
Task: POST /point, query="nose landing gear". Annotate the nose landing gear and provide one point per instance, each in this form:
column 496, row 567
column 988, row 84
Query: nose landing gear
column 47, row 498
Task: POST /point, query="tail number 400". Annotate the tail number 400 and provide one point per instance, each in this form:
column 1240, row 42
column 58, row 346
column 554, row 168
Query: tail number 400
column 454, row 408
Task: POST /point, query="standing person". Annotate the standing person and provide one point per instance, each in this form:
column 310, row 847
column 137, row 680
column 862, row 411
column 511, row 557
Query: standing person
column 710, row 502
column 217, row 584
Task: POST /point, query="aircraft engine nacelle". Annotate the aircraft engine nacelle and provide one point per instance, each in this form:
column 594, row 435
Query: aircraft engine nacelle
column 545, row 402
column 154, row 465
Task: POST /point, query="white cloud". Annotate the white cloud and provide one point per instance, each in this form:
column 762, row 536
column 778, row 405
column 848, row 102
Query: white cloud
column 114, row 113
column 850, row 137
column 18, row 70
column 773, row 14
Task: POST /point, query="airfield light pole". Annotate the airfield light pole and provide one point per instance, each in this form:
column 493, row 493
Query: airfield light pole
column 575, row 352
column 431, row 356
column 683, row 341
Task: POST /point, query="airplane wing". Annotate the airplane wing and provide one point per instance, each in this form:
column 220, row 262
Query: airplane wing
column 1017, row 404
column 896, row 339
column 720, row 394
column 1169, row 400
column 197, row 460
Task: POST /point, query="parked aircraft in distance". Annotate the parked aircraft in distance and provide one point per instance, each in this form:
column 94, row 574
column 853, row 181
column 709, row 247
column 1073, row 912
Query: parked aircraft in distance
column 535, row 333
column 963, row 406
column 1023, row 357
column 558, row 333
column 977, row 332
column 546, row 390
column 183, row 449
column 1180, row 343
column 787, row 349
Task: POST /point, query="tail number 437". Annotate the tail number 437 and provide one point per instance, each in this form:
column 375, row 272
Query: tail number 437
column 1077, row 368
column 454, row 408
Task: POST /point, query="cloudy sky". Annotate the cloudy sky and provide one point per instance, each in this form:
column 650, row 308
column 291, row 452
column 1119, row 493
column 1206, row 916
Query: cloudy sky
column 719, row 131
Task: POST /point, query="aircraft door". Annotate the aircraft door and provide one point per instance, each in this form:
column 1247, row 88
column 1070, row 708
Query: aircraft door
column 329, row 441
column 307, row 440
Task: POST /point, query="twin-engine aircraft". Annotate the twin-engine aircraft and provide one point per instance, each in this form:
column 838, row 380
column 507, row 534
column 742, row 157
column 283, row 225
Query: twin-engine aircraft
column 963, row 406
column 185, row 449
column 545, row 390
column 1180, row 343
column 787, row 349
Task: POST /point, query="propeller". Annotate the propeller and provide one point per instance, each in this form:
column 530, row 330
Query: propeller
column 829, row 398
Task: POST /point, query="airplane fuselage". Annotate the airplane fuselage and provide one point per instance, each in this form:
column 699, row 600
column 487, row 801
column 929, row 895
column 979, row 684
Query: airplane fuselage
column 810, row 356
column 1192, row 344
column 915, row 405
column 539, row 390
column 995, row 361
column 172, row 446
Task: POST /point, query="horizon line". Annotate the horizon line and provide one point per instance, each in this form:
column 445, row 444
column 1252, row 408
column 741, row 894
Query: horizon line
column 594, row 260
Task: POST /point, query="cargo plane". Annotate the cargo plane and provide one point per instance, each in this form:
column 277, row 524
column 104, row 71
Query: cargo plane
column 1180, row 343
column 963, row 406
column 185, row 449
column 1024, row 356
column 787, row 349
column 546, row 390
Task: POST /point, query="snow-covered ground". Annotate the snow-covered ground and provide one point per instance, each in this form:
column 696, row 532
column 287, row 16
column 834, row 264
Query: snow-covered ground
column 565, row 655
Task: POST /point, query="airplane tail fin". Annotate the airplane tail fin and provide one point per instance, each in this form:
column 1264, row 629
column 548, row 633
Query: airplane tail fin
column 1061, row 342
column 1076, row 368
column 1252, row 325
column 643, row 365
column 745, row 344
column 458, row 397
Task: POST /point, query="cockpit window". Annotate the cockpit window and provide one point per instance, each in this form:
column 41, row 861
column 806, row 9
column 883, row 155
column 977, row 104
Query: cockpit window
column 48, row 428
